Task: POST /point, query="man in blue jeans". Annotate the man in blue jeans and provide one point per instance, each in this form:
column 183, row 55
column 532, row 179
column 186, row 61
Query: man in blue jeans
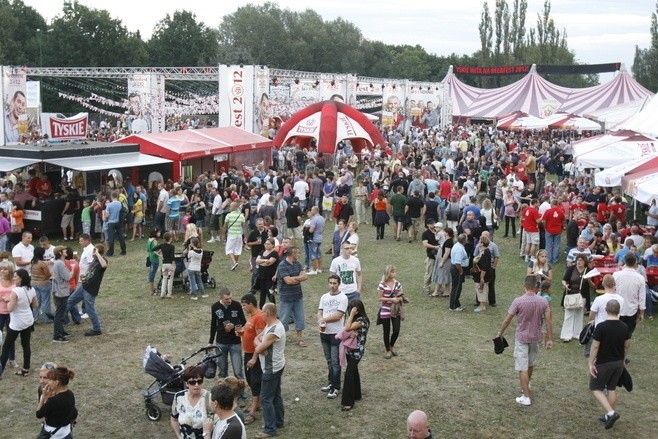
column 270, row 351
column 112, row 215
column 331, row 311
column 289, row 277
column 226, row 316
column 87, row 291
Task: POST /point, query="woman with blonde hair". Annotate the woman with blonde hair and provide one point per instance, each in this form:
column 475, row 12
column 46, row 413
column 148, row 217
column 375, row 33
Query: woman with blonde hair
column 540, row 267
column 6, row 285
column 390, row 292
column 490, row 216
column 192, row 231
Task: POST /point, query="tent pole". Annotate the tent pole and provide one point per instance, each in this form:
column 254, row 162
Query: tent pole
column 634, row 209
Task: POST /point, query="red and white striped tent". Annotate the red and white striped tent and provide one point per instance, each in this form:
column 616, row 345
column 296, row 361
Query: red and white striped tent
column 532, row 93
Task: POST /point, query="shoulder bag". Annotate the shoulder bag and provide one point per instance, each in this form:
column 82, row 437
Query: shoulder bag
column 575, row 300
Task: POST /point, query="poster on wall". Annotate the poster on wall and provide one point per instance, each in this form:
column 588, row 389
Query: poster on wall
column 145, row 103
column 423, row 105
column 33, row 95
column 15, row 120
column 263, row 119
column 333, row 89
column 393, row 114
column 236, row 96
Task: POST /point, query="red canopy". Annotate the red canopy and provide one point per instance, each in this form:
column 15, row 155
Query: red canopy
column 328, row 123
column 189, row 144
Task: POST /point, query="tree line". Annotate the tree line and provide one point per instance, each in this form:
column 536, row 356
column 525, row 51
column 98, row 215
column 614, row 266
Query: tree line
column 279, row 38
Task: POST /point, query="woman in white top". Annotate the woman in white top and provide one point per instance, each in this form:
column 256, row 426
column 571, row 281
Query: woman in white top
column 191, row 407
column 489, row 214
column 353, row 238
column 194, row 254
column 21, row 320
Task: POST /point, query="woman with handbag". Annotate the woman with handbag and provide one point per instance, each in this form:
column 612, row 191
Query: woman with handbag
column 20, row 303
column 576, row 298
column 489, row 213
column 511, row 211
column 391, row 300
column 57, row 405
column 482, row 274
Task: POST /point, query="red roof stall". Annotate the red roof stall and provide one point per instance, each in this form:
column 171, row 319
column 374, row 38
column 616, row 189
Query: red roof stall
column 195, row 151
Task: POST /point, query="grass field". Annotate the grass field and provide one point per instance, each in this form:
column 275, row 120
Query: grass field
column 446, row 365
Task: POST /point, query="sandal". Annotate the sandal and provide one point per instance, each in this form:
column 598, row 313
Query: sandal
column 249, row 418
column 301, row 344
column 388, row 356
column 23, row 372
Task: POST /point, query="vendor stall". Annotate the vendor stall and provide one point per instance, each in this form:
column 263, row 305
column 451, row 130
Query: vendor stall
column 195, row 151
column 83, row 166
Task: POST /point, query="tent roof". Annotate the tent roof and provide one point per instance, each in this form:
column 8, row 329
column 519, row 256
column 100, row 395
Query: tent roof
column 189, row 144
column 645, row 122
column 608, row 150
column 528, row 94
column 620, row 113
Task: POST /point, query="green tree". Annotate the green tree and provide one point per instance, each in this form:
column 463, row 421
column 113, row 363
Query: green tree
column 87, row 37
column 21, row 32
column 180, row 40
column 645, row 63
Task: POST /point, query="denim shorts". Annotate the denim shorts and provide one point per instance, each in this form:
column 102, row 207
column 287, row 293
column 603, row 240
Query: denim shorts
column 315, row 252
column 292, row 309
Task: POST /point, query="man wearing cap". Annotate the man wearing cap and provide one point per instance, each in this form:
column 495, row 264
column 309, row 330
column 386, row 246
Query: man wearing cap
column 432, row 248
column 528, row 310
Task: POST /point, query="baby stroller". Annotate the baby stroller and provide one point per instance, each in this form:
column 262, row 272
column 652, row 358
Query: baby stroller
column 206, row 260
column 169, row 378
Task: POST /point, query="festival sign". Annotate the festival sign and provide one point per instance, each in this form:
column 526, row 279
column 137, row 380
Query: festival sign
column 262, row 105
column 392, row 110
column 59, row 128
column 236, row 96
column 423, row 104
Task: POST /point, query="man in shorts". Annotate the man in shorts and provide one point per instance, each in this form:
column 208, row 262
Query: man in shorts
column 528, row 310
column 234, row 229
column 530, row 219
column 294, row 222
column 606, row 362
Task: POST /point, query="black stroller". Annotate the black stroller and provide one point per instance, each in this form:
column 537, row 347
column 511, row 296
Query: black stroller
column 169, row 377
column 207, row 279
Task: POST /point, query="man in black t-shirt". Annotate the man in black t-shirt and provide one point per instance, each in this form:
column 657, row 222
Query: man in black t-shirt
column 606, row 361
column 225, row 316
column 432, row 248
column 294, row 222
column 256, row 242
column 414, row 209
column 88, row 290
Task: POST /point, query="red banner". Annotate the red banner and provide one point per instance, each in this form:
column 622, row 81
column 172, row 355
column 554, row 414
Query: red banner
column 505, row 70
column 72, row 128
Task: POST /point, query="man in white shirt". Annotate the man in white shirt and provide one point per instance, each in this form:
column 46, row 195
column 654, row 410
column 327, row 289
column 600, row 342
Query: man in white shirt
column 301, row 189
column 215, row 213
column 87, row 256
column 331, row 311
column 161, row 208
column 23, row 252
column 631, row 286
column 348, row 268
column 597, row 312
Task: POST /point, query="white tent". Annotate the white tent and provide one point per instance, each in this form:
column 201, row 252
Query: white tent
column 617, row 114
column 642, row 186
column 607, row 150
column 612, row 177
column 645, row 122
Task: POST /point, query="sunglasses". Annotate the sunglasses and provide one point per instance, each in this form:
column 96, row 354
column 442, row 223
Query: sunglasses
column 193, row 382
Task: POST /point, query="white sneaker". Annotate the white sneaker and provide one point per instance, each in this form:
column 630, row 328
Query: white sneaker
column 211, row 240
column 333, row 393
column 84, row 316
column 312, row 272
column 319, row 271
column 326, row 388
column 523, row 400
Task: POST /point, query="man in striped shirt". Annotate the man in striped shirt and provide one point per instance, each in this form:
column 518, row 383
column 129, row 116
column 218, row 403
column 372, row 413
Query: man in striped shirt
column 528, row 310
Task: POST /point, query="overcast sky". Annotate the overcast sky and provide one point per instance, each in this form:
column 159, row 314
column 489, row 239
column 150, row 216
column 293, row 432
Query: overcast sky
column 599, row 31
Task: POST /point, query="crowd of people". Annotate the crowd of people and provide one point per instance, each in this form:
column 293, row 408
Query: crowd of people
column 445, row 190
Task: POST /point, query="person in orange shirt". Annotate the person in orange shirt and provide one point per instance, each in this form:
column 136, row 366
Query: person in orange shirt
column 254, row 326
